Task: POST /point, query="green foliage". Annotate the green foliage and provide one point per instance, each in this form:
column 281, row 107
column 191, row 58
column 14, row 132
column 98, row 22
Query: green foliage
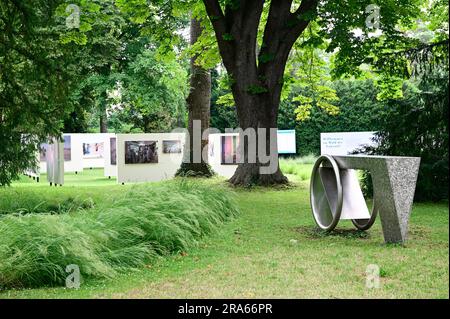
column 131, row 85
column 158, row 19
column 256, row 89
column 418, row 126
column 226, row 100
column 323, row 98
column 153, row 93
column 90, row 13
column 37, row 74
column 146, row 222
column 34, row 203
column 359, row 110
column 309, row 73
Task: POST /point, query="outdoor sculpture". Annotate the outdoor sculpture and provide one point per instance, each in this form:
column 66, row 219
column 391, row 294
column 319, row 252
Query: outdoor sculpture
column 336, row 194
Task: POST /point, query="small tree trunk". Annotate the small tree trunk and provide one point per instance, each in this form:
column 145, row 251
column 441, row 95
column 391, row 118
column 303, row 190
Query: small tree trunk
column 103, row 124
column 199, row 103
column 103, row 116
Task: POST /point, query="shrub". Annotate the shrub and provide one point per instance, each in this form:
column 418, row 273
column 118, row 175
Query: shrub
column 418, row 126
column 146, row 222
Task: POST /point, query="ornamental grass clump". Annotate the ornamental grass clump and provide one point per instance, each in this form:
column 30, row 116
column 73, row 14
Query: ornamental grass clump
column 148, row 221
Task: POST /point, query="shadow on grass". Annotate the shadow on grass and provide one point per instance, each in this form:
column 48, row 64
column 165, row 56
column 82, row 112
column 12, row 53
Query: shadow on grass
column 313, row 232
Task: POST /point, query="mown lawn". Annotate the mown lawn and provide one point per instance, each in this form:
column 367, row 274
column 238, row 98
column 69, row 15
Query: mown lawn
column 271, row 250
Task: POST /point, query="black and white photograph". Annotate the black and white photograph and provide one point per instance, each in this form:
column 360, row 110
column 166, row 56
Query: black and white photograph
column 141, row 152
column 171, row 147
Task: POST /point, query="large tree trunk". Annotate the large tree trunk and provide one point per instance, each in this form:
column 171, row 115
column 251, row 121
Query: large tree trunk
column 257, row 78
column 256, row 112
column 199, row 103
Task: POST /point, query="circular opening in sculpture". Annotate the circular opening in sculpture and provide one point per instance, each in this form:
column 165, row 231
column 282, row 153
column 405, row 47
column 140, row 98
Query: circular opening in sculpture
column 326, row 193
column 366, row 184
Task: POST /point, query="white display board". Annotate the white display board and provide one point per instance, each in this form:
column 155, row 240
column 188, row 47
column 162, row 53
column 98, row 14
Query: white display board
column 286, row 142
column 344, row 143
column 138, row 162
column 73, row 153
column 110, row 157
column 54, row 152
column 93, row 149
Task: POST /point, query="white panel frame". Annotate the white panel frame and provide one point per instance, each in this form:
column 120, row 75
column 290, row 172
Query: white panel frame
column 165, row 169
column 344, row 143
column 76, row 161
column 110, row 170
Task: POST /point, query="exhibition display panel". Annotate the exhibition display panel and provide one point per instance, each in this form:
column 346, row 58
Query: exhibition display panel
column 148, row 157
column 345, row 143
column 93, row 149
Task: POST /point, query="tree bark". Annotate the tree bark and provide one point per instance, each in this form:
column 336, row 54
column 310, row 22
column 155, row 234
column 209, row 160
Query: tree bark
column 103, row 123
column 199, row 104
column 103, row 116
column 256, row 111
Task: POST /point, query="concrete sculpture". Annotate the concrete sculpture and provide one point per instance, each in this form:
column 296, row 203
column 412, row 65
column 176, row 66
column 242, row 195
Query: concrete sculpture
column 336, row 194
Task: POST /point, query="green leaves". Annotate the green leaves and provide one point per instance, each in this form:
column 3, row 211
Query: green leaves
column 389, row 88
column 138, row 11
column 153, row 92
column 266, row 57
column 89, row 14
column 227, row 37
column 226, row 100
column 323, row 97
column 256, row 89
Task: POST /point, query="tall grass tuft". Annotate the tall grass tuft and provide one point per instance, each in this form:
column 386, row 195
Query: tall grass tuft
column 146, row 222
column 300, row 166
column 36, row 248
column 21, row 203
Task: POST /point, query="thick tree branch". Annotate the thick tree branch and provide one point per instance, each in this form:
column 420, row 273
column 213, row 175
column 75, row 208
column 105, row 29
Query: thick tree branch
column 236, row 32
column 300, row 19
column 216, row 15
column 282, row 30
column 218, row 22
column 245, row 32
column 274, row 32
